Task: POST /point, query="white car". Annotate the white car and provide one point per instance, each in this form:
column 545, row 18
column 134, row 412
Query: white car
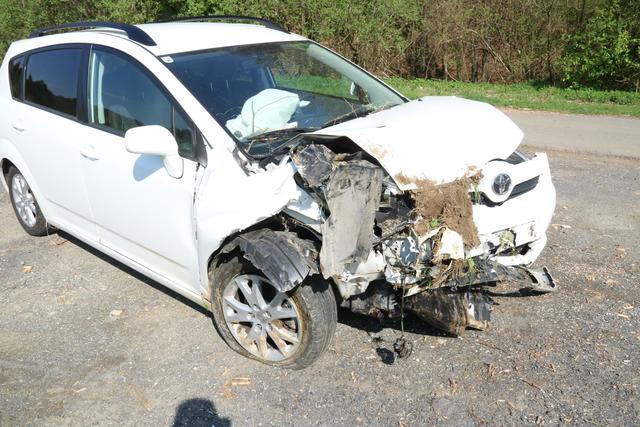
column 268, row 179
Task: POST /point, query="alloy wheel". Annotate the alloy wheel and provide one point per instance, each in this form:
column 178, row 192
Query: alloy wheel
column 264, row 320
column 24, row 201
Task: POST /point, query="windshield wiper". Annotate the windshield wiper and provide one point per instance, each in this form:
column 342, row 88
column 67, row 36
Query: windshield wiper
column 358, row 112
column 277, row 134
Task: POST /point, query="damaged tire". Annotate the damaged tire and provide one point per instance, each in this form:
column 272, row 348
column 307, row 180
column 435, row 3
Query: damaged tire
column 25, row 204
column 286, row 329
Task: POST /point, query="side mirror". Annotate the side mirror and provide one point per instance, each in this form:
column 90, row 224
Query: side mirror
column 156, row 141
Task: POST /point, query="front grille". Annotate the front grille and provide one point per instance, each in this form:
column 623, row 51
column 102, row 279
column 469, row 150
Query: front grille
column 518, row 190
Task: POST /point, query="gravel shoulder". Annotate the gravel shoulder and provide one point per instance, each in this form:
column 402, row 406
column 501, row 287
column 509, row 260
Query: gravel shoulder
column 84, row 340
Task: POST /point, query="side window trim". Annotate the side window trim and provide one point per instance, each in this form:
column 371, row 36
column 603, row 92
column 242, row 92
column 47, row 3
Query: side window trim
column 22, row 58
column 83, row 48
column 175, row 105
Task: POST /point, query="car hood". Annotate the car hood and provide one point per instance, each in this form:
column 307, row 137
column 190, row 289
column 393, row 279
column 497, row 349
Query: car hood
column 434, row 138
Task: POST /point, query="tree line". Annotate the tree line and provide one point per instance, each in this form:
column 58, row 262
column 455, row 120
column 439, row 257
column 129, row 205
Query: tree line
column 577, row 43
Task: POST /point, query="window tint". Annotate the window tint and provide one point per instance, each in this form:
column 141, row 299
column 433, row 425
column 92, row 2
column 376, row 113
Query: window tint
column 16, row 71
column 52, row 79
column 122, row 96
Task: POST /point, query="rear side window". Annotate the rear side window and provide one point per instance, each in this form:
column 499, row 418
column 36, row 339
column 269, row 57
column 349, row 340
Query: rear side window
column 52, row 79
column 16, row 72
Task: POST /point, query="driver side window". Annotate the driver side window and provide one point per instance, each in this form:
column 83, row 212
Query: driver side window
column 122, row 96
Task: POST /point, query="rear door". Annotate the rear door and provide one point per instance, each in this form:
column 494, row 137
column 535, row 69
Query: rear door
column 49, row 134
column 140, row 211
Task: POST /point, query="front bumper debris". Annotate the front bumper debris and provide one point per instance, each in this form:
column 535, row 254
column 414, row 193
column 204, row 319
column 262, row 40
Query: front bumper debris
column 466, row 302
column 452, row 311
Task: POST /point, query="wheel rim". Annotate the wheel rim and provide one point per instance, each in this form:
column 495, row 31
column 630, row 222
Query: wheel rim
column 24, row 201
column 264, row 321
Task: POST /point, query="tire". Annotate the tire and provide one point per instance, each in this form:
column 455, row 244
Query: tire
column 25, row 205
column 313, row 301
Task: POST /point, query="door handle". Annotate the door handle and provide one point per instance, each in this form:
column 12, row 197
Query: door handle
column 89, row 152
column 17, row 125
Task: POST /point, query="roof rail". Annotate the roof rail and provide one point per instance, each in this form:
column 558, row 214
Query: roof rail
column 134, row 33
column 265, row 22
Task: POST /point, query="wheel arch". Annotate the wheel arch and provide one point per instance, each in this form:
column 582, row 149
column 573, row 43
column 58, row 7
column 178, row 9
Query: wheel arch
column 5, row 165
column 286, row 256
column 9, row 156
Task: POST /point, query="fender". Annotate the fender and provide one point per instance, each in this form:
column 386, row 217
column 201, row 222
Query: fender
column 10, row 153
column 282, row 256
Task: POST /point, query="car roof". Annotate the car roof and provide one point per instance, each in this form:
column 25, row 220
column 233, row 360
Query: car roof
column 179, row 37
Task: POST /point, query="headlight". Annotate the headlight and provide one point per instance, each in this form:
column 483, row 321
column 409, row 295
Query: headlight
column 517, row 157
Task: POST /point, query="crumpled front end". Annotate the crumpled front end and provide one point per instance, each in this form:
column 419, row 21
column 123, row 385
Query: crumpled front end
column 407, row 208
column 443, row 248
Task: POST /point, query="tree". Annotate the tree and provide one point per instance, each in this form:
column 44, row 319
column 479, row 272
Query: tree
column 606, row 54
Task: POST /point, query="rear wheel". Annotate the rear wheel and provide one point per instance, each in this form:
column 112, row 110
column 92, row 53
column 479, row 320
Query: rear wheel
column 25, row 204
column 286, row 329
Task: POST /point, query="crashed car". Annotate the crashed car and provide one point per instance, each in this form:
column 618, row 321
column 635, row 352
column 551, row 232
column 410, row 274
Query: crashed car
column 268, row 179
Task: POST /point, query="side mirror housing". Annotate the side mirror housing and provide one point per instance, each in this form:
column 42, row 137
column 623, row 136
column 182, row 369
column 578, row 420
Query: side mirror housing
column 156, row 141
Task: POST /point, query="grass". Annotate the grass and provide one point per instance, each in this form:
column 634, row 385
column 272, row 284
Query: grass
column 527, row 96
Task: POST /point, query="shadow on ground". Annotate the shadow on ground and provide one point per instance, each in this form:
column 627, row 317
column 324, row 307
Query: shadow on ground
column 199, row 412
column 139, row 276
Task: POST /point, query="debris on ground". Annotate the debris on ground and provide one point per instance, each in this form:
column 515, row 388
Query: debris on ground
column 139, row 395
column 403, row 348
column 227, row 387
column 452, row 311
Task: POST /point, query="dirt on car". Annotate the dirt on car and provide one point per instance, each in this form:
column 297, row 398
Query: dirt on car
column 446, row 205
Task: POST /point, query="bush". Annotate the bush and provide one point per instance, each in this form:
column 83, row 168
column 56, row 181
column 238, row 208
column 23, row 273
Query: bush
column 607, row 53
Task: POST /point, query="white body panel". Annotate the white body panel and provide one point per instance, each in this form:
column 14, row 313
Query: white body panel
column 141, row 211
column 434, row 138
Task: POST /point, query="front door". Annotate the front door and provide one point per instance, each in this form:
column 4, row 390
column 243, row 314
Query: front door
column 140, row 211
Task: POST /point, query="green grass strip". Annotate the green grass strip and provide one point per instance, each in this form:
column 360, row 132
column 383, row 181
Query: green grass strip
column 527, row 96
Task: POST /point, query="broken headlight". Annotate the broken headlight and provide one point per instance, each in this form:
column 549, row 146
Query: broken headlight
column 517, row 157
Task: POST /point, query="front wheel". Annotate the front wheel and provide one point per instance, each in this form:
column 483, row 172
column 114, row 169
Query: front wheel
column 289, row 330
column 25, row 204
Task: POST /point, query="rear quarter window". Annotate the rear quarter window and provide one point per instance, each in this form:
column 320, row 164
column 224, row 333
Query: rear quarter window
column 16, row 73
column 52, row 79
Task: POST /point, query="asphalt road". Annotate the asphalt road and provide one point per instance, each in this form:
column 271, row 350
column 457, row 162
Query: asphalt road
column 605, row 135
column 84, row 340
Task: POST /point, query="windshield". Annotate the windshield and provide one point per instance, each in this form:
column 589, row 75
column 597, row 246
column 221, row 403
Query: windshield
column 266, row 94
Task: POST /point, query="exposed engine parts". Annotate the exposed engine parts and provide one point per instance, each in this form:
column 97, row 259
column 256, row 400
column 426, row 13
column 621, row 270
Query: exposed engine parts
column 383, row 247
